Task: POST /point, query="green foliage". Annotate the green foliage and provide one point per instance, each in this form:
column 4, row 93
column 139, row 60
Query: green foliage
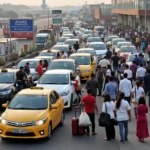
column 10, row 14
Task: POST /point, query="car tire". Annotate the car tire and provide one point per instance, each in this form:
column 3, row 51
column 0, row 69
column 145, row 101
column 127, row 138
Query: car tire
column 49, row 134
column 62, row 118
column 71, row 102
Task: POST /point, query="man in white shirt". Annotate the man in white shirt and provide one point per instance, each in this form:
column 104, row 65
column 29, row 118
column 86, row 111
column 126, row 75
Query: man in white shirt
column 140, row 73
column 103, row 64
column 129, row 73
column 126, row 87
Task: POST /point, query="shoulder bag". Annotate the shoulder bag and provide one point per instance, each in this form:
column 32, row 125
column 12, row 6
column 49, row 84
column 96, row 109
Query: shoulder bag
column 104, row 119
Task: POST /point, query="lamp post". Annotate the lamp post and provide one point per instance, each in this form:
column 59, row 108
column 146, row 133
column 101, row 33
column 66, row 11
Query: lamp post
column 145, row 1
column 48, row 18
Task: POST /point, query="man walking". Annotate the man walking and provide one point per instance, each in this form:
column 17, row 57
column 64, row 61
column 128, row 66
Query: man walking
column 90, row 106
column 126, row 87
column 112, row 89
column 93, row 85
column 39, row 69
column 133, row 68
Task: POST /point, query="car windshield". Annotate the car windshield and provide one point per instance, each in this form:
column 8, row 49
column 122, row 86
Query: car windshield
column 70, row 42
column 47, row 54
column 70, row 36
column 111, row 38
column 48, row 59
column 29, row 102
column 32, row 64
column 61, row 65
column 98, row 46
column 61, row 48
column 87, row 51
column 40, row 39
column 87, row 32
column 123, row 44
column 54, row 79
column 116, row 41
column 128, row 49
column 94, row 40
column 6, row 77
column 81, row 60
column 132, row 57
column 62, row 39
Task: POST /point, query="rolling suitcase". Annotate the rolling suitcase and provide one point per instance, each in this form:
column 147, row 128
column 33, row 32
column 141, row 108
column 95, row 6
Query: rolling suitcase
column 76, row 129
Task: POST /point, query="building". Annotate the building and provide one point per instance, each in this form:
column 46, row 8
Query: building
column 103, row 15
column 133, row 12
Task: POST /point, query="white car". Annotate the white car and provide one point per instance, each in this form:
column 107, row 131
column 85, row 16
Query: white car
column 62, row 40
column 60, row 81
column 119, row 44
column 33, row 62
column 100, row 49
column 93, row 39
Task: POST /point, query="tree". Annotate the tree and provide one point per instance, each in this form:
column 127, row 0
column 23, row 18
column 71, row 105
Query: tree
column 29, row 15
column 10, row 14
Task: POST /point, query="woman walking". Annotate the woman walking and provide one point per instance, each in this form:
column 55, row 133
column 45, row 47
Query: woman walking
column 137, row 92
column 123, row 115
column 108, row 106
column 142, row 125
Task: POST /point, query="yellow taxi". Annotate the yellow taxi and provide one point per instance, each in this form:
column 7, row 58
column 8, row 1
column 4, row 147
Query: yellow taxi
column 32, row 113
column 87, row 64
column 54, row 53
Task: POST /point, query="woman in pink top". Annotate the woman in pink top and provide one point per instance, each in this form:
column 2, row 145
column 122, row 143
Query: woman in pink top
column 142, row 125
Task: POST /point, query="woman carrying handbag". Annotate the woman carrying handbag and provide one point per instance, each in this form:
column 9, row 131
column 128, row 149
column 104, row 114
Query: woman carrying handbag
column 108, row 107
column 137, row 92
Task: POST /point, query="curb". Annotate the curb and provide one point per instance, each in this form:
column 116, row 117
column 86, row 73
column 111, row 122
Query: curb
column 13, row 63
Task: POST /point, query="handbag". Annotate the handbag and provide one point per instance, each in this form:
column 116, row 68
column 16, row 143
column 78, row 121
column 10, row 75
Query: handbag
column 84, row 120
column 134, row 98
column 104, row 119
column 115, row 122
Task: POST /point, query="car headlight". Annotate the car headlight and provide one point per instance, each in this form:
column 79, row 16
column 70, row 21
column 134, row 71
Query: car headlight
column 5, row 92
column 40, row 122
column 3, row 121
column 64, row 93
column 88, row 70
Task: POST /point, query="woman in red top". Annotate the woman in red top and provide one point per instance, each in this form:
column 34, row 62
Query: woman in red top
column 142, row 125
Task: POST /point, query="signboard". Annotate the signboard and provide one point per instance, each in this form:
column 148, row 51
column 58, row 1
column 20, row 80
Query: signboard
column 21, row 25
column 57, row 16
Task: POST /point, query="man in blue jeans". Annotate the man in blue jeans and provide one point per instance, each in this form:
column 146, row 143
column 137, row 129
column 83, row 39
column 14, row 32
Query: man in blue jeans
column 146, row 83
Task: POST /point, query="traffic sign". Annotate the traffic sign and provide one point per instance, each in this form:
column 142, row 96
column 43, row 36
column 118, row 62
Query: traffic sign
column 21, row 25
column 57, row 16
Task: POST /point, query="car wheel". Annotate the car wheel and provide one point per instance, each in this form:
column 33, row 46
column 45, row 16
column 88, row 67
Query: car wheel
column 71, row 102
column 62, row 118
column 49, row 134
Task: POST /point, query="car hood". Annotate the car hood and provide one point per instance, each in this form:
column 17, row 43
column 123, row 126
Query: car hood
column 60, row 43
column 57, row 87
column 24, row 115
column 100, row 52
column 3, row 87
column 126, row 55
column 84, row 67
column 129, row 63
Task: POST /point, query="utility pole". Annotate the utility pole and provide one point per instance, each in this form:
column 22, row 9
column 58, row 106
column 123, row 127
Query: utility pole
column 145, row 1
column 48, row 18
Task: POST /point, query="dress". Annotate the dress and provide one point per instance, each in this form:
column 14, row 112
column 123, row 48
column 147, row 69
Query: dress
column 142, row 125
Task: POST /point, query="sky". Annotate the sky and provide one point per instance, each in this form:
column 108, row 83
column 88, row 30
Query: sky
column 54, row 2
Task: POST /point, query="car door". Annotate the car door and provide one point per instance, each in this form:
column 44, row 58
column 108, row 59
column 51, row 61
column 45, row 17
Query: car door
column 58, row 104
column 53, row 112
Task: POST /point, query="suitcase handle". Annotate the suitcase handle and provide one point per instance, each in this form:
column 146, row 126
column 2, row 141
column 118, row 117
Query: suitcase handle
column 78, row 108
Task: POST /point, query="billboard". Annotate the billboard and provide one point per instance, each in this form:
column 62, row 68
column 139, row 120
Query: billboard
column 21, row 25
column 57, row 16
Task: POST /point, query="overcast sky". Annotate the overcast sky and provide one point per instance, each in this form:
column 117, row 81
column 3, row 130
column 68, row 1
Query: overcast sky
column 54, row 2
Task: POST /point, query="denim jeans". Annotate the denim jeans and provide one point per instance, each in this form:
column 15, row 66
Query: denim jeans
column 115, row 68
column 123, row 127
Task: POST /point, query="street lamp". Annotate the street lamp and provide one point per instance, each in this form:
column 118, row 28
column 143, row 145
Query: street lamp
column 48, row 18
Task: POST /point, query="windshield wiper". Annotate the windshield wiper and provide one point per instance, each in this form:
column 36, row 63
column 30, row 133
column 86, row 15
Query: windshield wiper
column 22, row 108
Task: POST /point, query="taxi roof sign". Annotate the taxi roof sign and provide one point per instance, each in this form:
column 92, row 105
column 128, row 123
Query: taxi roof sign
column 36, row 88
column 49, row 51
column 4, row 70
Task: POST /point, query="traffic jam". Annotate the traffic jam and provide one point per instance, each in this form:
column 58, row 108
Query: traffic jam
column 35, row 93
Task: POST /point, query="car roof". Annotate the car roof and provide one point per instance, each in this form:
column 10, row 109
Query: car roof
column 123, row 42
column 118, row 39
column 113, row 36
column 92, row 43
column 80, row 54
column 58, row 71
column 38, row 57
column 42, row 34
column 128, row 46
column 64, row 45
column 51, row 51
column 68, row 34
column 63, row 60
column 72, row 40
column 31, row 59
column 87, row 49
column 37, row 91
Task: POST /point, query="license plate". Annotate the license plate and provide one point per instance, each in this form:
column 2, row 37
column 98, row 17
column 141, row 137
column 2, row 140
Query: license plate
column 19, row 131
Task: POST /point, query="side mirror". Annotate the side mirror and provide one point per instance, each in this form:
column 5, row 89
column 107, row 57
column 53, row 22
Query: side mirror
column 5, row 105
column 54, row 106
column 35, row 83
column 73, row 82
column 77, row 69
column 14, row 67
